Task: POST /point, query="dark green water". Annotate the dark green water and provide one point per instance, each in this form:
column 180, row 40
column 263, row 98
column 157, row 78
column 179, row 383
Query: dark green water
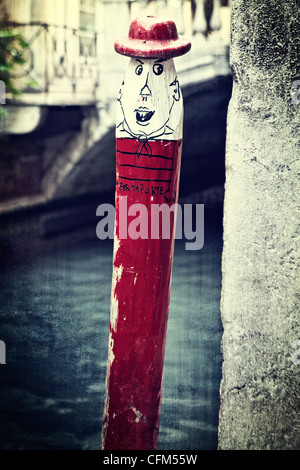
column 55, row 321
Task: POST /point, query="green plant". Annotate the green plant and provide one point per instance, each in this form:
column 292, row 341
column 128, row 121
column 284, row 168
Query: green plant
column 12, row 49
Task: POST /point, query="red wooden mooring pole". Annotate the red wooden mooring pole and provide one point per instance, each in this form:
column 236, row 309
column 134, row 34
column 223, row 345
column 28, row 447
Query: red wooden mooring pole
column 149, row 145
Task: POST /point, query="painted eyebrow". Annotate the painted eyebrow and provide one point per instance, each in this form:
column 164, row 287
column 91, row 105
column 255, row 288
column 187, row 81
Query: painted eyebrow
column 138, row 60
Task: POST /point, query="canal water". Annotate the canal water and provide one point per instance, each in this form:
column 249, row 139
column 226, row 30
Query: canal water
column 55, row 321
column 55, row 307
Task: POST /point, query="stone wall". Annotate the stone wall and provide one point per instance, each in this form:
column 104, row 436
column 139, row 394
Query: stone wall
column 260, row 293
column 36, row 167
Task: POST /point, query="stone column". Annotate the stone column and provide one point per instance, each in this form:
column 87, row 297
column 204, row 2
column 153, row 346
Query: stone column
column 260, row 399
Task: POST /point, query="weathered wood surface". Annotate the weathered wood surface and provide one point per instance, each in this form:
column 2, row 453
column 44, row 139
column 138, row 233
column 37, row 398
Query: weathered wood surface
column 149, row 144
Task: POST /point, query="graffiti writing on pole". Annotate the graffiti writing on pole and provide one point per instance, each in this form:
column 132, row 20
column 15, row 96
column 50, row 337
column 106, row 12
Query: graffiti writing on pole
column 2, row 352
column 296, row 94
column 295, row 358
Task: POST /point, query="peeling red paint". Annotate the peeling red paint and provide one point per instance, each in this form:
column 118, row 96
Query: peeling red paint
column 147, row 173
column 141, row 296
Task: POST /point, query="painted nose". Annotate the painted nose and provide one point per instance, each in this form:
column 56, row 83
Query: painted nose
column 145, row 91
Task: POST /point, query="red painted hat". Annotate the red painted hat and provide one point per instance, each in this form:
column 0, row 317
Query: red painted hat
column 152, row 38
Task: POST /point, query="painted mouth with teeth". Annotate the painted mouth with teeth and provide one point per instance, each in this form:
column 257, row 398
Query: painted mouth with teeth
column 143, row 115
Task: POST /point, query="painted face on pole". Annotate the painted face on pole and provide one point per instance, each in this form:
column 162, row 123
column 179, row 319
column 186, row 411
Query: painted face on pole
column 148, row 156
column 150, row 100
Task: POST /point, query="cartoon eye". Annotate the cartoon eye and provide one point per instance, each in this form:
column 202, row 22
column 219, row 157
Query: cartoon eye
column 139, row 69
column 158, row 69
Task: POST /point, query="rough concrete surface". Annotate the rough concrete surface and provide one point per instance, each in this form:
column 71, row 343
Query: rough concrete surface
column 260, row 404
